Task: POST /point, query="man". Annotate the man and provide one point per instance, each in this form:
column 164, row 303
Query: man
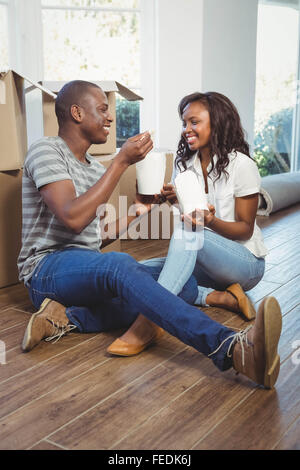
column 74, row 285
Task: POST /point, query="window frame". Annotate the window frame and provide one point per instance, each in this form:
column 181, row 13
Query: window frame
column 295, row 156
column 135, row 87
column 82, row 8
column 295, row 143
column 26, row 35
column 146, row 88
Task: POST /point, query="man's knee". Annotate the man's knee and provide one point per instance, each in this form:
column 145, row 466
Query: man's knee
column 117, row 258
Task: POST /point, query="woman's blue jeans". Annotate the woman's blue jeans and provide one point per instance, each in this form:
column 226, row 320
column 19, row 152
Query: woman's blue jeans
column 216, row 263
column 103, row 291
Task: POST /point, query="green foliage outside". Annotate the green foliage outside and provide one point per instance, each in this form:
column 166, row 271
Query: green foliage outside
column 273, row 144
column 128, row 119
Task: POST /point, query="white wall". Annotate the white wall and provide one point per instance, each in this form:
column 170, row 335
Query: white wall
column 204, row 45
column 26, row 57
column 179, row 57
column 229, row 54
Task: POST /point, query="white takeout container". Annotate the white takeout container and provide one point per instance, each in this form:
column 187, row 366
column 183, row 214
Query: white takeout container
column 190, row 193
column 150, row 173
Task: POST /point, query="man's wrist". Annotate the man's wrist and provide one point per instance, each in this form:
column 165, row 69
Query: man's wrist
column 121, row 160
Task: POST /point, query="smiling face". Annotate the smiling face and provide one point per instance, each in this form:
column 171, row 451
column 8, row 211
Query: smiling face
column 95, row 116
column 196, row 128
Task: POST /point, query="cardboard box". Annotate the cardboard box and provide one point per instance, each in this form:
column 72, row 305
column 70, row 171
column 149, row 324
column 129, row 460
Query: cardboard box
column 114, row 214
column 160, row 225
column 110, row 88
column 13, row 133
column 13, row 129
column 11, row 225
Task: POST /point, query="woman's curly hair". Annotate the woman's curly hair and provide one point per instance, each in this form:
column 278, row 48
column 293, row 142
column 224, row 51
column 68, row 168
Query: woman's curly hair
column 227, row 134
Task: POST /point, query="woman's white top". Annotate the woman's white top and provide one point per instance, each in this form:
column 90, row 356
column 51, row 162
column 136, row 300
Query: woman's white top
column 243, row 179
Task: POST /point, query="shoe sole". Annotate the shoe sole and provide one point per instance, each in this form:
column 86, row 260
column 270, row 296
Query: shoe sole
column 116, row 352
column 251, row 312
column 27, row 337
column 247, row 310
column 272, row 328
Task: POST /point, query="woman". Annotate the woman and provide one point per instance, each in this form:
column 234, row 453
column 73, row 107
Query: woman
column 229, row 258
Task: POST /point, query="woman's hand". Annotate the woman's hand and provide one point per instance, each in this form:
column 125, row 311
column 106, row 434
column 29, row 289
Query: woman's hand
column 144, row 203
column 168, row 193
column 199, row 218
column 209, row 215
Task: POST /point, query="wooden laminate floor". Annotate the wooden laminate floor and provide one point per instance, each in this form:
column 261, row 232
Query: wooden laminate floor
column 73, row 395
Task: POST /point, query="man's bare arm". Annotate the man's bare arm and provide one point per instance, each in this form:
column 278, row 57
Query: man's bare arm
column 76, row 213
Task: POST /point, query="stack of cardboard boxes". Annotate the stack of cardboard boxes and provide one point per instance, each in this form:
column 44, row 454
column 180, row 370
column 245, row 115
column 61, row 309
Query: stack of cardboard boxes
column 13, row 148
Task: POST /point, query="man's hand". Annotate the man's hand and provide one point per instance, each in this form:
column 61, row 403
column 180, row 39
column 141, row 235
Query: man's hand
column 168, row 193
column 135, row 148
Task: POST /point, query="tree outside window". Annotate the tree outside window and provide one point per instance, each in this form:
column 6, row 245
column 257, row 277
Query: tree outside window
column 276, row 86
column 95, row 40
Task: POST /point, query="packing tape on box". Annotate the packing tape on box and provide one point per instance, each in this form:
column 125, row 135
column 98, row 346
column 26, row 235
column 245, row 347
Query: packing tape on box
column 2, row 92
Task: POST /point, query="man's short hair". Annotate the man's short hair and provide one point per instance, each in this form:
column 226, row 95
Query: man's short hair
column 71, row 93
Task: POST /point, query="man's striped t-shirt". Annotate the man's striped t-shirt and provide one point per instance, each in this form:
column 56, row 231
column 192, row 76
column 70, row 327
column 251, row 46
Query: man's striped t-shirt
column 49, row 160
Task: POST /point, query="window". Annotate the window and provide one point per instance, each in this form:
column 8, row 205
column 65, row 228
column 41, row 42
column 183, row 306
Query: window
column 95, row 40
column 276, row 86
column 4, row 57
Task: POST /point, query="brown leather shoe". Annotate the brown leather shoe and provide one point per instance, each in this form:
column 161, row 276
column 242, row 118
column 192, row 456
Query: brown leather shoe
column 121, row 348
column 50, row 322
column 245, row 305
column 255, row 352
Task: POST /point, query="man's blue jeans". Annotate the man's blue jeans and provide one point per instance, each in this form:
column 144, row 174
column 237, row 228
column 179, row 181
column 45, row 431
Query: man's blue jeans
column 103, row 291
